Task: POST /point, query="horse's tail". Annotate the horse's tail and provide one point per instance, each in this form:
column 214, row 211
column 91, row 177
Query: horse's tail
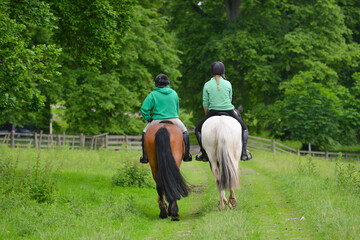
column 228, row 171
column 169, row 177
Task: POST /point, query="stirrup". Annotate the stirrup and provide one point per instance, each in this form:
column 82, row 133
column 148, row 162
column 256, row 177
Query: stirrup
column 143, row 160
column 247, row 156
column 203, row 157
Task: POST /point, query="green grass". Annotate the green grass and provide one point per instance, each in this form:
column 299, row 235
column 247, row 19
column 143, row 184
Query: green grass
column 275, row 188
column 320, row 191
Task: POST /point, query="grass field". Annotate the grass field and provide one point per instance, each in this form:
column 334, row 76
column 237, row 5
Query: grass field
column 281, row 197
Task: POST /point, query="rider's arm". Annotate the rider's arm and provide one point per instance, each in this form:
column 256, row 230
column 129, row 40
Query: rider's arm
column 146, row 107
column 206, row 111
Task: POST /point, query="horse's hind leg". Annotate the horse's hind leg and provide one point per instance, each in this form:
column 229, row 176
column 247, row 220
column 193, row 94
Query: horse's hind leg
column 232, row 199
column 161, row 202
column 173, row 211
column 222, row 198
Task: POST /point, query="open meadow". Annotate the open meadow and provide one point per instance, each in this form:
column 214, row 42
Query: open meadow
column 81, row 194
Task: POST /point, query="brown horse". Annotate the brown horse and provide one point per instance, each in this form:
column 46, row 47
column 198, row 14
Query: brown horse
column 164, row 147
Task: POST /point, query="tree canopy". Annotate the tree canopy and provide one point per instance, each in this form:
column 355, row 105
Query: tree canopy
column 293, row 64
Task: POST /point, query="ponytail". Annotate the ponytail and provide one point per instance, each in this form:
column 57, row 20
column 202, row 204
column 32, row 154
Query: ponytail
column 217, row 78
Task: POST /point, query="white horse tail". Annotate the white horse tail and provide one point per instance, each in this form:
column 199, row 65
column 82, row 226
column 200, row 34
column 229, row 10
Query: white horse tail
column 221, row 137
column 228, row 171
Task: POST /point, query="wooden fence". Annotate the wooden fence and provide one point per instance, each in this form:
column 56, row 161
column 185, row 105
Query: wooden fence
column 116, row 142
column 40, row 140
column 273, row 146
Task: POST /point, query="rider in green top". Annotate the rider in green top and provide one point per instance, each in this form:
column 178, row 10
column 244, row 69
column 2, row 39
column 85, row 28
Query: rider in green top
column 217, row 97
column 164, row 102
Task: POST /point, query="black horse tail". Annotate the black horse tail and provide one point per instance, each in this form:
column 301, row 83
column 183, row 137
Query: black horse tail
column 170, row 178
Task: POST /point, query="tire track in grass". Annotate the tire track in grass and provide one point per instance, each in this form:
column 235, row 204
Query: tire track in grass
column 274, row 214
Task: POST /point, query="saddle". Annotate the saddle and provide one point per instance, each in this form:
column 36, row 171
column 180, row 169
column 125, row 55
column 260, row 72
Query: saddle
column 221, row 114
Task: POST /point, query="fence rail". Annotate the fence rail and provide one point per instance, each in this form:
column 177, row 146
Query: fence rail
column 272, row 145
column 116, row 142
column 40, row 140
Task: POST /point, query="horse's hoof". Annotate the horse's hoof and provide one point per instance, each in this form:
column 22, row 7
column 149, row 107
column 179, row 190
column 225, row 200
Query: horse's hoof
column 162, row 216
column 175, row 218
column 232, row 204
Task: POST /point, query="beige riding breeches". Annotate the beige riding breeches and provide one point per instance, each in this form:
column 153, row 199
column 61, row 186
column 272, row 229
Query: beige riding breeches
column 175, row 121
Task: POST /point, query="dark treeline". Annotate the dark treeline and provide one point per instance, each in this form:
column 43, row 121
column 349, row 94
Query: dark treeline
column 293, row 64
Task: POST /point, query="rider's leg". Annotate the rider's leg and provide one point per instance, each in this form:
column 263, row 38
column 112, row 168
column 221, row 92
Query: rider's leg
column 143, row 158
column 245, row 154
column 202, row 156
column 180, row 124
column 187, row 155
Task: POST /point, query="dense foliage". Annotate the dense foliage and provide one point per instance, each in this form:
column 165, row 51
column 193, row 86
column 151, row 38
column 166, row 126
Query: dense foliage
column 293, row 64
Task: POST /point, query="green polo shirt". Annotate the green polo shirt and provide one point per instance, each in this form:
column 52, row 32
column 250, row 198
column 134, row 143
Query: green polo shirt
column 213, row 99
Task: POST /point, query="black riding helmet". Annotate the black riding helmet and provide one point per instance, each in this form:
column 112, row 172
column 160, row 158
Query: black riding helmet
column 161, row 80
column 217, row 68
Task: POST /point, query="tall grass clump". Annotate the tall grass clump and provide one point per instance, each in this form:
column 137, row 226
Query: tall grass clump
column 308, row 167
column 348, row 177
column 38, row 181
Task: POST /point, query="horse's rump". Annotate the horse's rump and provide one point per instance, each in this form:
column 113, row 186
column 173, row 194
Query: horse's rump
column 165, row 149
column 221, row 138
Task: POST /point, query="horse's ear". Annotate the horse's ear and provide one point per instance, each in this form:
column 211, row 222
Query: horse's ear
column 240, row 108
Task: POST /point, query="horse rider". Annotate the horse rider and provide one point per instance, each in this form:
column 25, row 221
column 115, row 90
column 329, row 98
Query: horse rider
column 217, row 97
column 164, row 102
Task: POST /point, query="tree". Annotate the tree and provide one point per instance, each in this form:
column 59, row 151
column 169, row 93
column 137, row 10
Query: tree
column 107, row 99
column 265, row 45
column 25, row 67
column 309, row 112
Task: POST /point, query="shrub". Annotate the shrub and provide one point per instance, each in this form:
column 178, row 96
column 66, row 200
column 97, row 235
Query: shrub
column 133, row 175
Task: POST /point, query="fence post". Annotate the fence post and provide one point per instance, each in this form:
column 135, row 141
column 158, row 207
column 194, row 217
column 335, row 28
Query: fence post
column 36, row 140
column 41, row 133
column 309, row 147
column 127, row 142
column 58, row 140
column 326, row 154
column 106, row 141
column 81, row 141
column 273, row 146
column 64, row 142
column 12, row 139
column 298, row 152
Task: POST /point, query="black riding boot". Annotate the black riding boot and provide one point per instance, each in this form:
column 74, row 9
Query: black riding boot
column 245, row 155
column 143, row 158
column 187, row 155
column 203, row 157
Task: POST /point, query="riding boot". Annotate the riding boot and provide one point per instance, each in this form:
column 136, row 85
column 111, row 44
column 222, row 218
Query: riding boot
column 187, row 155
column 203, row 157
column 143, row 158
column 245, row 155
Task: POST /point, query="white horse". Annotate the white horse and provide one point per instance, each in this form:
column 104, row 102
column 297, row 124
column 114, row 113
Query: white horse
column 221, row 139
